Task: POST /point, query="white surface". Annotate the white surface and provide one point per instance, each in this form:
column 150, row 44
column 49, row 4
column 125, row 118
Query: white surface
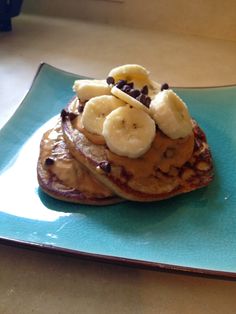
column 34, row 282
column 210, row 18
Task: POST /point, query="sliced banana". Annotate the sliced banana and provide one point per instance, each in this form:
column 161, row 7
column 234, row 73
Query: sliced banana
column 136, row 74
column 129, row 131
column 132, row 73
column 96, row 110
column 171, row 114
column 128, row 99
column 129, row 72
column 86, row 89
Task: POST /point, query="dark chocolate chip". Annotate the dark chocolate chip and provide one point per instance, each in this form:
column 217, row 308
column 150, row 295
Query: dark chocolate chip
column 131, row 84
column 64, row 114
column 72, row 116
column 105, row 166
column 164, row 86
column 142, row 99
column 121, row 83
column 147, row 101
column 134, row 93
column 126, row 88
column 110, row 80
column 49, row 161
column 80, row 108
column 144, row 90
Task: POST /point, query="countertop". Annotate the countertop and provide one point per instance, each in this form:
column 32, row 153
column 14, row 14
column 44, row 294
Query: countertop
column 37, row 282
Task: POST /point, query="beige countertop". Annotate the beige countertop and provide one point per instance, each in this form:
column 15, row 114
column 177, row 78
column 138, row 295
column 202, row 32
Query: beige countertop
column 36, row 282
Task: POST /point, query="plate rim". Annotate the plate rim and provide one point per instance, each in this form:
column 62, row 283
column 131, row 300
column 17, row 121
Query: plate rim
column 111, row 259
column 121, row 261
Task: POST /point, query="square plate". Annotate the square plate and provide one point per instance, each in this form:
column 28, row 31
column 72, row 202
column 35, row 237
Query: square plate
column 192, row 233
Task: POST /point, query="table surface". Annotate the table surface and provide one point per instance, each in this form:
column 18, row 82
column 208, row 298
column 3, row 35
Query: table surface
column 37, row 282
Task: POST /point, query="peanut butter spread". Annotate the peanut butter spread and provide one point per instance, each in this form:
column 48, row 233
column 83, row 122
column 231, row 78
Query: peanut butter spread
column 163, row 154
column 66, row 168
column 156, row 170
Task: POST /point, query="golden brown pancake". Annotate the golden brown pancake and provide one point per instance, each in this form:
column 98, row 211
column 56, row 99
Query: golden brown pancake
column 169, row 168
column 64, row 178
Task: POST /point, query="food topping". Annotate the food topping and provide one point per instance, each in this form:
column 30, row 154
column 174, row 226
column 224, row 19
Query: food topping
column 105, row 166
column 71, row 173
column 64, row 114
column 131, row 73
column 164, row 86
column 129, row 131
column 96, row 110
column 80, row 108
column 70, row 115
column 110, row 80
column 144, row 90
column 49, row 161
column 171, row 114
column 87, row 89
column 127, row 108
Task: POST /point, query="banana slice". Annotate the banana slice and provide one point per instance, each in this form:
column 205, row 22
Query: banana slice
column 171, row 114
column 86, row 89
column 129, row 72
column 129, row 131
column 136, row 74
column 128, row 99
column 96, row 110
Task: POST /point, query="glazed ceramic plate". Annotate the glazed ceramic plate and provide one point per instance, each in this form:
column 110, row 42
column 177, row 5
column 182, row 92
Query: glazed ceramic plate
column 193, row 233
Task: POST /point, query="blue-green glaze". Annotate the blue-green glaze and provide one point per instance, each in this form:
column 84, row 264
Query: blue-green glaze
column 194, row 230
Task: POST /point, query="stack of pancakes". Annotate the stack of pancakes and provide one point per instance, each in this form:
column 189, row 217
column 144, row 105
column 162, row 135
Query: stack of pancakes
column 76, row 165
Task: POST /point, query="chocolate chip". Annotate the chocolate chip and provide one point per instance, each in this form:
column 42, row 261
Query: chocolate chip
column 121, row 83
column 72, row 116
column 110, row 80
column 49, row 161
column 144, row 90
column 80, row 108
column 147, row 101
column 126, row 88
column 142, row 99
column 134, row 93
column 131, row 84
column 64, row 114
column 164, row 86
column 105, row 166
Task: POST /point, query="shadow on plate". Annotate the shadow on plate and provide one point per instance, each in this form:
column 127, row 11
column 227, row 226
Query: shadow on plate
column 134, row 217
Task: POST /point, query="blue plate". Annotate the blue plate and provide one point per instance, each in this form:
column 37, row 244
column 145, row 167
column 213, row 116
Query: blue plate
column 193, row 233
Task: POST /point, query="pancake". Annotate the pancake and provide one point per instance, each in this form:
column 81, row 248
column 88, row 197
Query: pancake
column 125, row 137
column 64, row 178
column 169, row 168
